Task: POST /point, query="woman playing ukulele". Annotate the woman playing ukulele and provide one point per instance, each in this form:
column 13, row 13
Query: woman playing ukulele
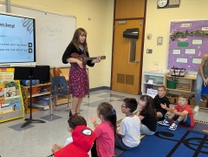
column 78, row 79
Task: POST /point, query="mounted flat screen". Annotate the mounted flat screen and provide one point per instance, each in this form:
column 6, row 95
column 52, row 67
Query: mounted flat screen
column 17, row 40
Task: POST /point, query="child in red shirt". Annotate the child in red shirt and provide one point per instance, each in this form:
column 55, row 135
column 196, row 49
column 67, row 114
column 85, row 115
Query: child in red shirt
column 182, row 112
column 83, row 139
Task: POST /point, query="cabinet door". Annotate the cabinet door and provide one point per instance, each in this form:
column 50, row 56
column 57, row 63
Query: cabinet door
column 129, row 9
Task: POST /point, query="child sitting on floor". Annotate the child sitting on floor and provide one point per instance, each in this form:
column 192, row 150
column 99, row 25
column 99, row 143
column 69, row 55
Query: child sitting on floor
column 83, row 139
column 105, row 131
column 181, row 113
column 161, row 99
column 128, row 135
column 147, row 114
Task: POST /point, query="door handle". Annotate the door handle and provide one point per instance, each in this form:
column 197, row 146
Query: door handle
column 136, row 61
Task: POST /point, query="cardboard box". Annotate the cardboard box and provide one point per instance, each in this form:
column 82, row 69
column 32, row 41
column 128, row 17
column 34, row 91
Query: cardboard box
column 202, row 103
column 172, row 98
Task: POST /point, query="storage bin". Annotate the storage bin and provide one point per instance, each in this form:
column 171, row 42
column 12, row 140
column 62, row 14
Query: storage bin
column 183, row 86
column 27, row 82
column 172, row 98
column 202, row 103
column 204, row 89
column 171, row 84
column 43, row 100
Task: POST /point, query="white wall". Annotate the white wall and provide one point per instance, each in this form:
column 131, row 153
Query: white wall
column 158, row 24
column 96, row 16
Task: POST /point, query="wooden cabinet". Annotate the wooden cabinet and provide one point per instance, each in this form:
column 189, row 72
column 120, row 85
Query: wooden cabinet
column 37, row 90
column 184, row 84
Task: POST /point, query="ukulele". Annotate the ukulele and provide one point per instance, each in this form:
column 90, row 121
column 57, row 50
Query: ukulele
column 84, row 58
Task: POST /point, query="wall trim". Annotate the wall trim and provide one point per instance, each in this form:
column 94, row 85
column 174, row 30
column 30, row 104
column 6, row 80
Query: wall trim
column 99, row 88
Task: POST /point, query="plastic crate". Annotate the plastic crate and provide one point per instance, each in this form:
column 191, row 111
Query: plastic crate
column 171, row 84
column 27, row 82
column 44, row 100
column 202, row 103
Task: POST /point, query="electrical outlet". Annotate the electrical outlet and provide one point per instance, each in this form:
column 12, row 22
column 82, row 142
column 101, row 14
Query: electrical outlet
column 149, row 51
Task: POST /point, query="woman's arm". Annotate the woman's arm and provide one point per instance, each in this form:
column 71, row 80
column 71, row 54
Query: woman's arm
column 67, row 58
column 89, row 62
column 204, row 58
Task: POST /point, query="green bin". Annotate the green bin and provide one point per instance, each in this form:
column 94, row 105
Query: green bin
column 171, row 84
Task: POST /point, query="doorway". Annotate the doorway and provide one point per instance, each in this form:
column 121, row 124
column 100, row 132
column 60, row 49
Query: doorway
column 127, row 57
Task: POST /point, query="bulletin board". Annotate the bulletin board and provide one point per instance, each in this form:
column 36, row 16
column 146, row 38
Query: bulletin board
column 187, row 44
column 11, row 104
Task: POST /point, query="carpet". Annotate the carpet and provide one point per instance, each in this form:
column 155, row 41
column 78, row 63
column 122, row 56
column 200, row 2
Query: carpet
column 166, row 143
column 201, row 128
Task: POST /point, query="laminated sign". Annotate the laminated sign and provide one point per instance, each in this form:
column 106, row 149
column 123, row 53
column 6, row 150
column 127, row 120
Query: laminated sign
column 151, row 92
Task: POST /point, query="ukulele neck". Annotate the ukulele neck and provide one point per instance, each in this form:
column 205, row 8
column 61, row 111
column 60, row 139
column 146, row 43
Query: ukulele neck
column 86, row 58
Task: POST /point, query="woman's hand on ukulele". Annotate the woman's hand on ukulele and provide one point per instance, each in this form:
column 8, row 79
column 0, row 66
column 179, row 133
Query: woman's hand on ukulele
column 97, row 60
column 80, row 63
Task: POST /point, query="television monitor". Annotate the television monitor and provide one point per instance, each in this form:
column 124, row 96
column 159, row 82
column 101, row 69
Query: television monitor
column 17, row 40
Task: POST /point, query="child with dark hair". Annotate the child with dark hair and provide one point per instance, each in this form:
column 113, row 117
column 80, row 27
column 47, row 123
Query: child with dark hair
column 105, row 131
column 160, row 101
column 181, row 113
column 147, row 115
column 83, row 139
column 128, row 135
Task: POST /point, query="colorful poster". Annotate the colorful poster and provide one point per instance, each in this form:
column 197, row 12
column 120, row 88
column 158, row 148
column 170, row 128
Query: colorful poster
column 11, row 104
column 188, row 43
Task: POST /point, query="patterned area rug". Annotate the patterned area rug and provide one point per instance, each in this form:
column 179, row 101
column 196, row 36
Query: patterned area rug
column 201, row 127
column 167, row 143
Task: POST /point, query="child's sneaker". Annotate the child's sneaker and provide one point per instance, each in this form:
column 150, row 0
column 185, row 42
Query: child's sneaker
column 173, row 126
column 196, row 109
column 164, row 122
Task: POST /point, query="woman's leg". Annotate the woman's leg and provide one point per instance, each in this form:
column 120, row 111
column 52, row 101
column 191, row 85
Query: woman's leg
column 79, row 105
column 198, row 89
column 74, row 105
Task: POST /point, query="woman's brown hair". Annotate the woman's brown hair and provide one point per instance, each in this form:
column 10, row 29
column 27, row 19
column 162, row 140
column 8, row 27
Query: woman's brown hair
column 75, row 40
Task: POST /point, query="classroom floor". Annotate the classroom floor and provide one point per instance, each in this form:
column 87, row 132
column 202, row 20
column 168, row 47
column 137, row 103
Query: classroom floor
column 36, row 139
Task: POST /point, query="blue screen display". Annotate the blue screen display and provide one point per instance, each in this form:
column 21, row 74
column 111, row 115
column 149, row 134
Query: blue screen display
column 17, row 39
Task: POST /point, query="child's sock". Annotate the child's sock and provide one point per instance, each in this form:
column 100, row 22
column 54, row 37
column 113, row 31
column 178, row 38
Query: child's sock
column 168, row 119
column 176, row 122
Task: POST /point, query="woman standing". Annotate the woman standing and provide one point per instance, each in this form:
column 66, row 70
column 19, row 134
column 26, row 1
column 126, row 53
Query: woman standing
column 78, row 79
column 202, row 79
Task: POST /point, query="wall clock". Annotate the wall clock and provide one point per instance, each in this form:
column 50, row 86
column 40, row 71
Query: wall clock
column 162, row 3
column 168, row 4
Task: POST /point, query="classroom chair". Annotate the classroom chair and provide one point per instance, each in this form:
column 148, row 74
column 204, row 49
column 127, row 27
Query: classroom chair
column 58, row 88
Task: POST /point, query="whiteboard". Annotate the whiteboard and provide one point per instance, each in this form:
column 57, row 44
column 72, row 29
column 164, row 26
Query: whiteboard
column 2, row 7
column 53, row 34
